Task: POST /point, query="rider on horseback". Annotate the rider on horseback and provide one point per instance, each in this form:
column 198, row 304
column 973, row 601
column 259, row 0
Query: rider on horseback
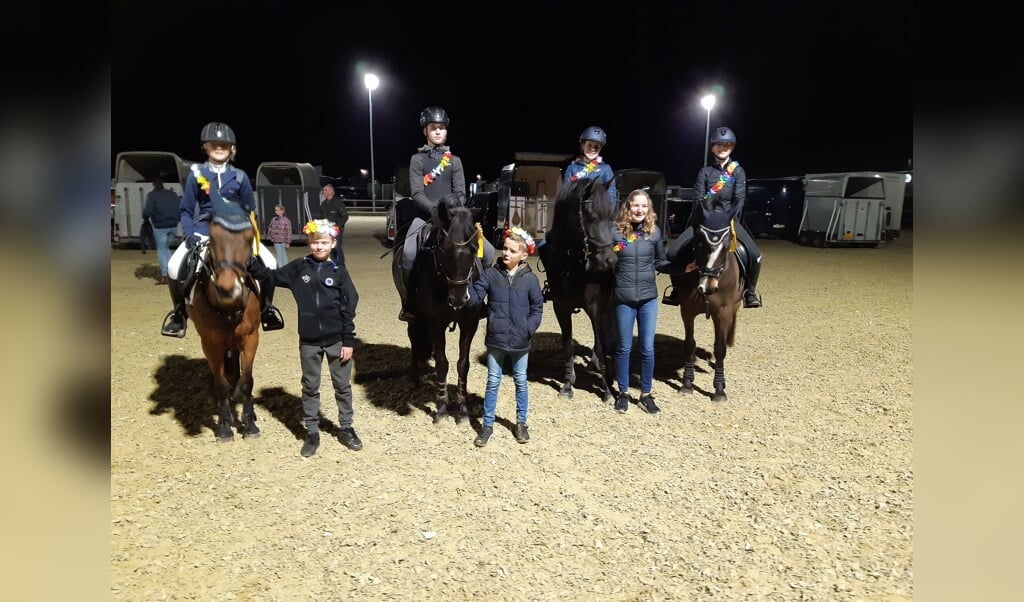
column 721, row 186
column 200, row 201
column 433, row 173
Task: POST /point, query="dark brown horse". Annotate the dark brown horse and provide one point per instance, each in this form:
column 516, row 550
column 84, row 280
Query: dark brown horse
column 440, row 280
column 226, row 311
column 579, row 260
column 711, row 286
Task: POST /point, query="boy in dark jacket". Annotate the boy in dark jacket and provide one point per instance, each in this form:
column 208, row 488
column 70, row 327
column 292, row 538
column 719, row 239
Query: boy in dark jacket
column 326, row 300
column 515, row 307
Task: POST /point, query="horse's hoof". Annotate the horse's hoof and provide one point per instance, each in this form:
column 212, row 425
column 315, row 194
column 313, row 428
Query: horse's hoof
column 439, row 418
column 252, row 435
column 719, row 397
column 686, row 389
column 225, row 438
column 565, row 394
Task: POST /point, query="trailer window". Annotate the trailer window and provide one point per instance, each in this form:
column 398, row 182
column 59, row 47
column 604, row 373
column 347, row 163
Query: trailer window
column 858, row 187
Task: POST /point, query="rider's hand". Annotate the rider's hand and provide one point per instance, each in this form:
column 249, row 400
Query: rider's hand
column 191, row 240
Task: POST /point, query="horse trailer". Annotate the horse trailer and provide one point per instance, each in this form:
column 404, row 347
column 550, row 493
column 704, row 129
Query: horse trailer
column 525, row 194
column 134, row 172
column 628, row 180
column 294, row 185
column 850, row 209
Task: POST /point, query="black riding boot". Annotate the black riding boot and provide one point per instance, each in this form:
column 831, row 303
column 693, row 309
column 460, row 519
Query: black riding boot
column 750, row 296
column 175, row 321
column 406, row 314
column 270, row 317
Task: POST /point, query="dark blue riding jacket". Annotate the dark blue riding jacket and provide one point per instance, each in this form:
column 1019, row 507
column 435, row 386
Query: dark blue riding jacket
column 514, row 304
column 198, row 206
column 603, row 172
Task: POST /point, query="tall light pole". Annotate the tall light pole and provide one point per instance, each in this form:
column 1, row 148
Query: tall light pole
column 371, row 82
column 708, row 102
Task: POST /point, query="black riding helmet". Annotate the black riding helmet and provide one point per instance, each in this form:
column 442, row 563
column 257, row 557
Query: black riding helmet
column 723, row 134
column 217, row 132
column 594, row 133
column 433, row 115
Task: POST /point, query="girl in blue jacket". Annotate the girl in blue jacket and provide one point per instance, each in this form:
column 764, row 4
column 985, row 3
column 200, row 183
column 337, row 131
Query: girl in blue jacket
column 515, row 306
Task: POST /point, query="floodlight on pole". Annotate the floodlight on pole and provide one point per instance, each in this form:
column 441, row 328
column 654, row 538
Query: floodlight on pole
column 708, row 102
column 371, row 81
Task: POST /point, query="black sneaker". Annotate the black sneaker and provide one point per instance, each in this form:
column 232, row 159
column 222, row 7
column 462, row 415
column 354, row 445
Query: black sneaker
column 647, row 403
column 350, row 439
column 751, row 299
column 622, row 403
column 522, row 432
column 484, row 436
column 271, row 319
column 311, row 444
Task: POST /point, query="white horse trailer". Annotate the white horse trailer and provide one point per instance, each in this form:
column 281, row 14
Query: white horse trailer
column 859, row 208
column 134, row 172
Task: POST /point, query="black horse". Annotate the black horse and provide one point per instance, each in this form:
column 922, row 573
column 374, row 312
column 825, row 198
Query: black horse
column 579, row 259
column 713, row 286
column 440, row 281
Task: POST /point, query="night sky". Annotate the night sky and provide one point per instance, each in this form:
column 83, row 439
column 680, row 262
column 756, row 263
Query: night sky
column 807, row 87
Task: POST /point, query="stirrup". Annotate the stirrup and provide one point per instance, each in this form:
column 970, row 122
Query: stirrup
column 546, row 292
column 271, row 319
column 406, row 316
column 669, row 296
column 168, row 321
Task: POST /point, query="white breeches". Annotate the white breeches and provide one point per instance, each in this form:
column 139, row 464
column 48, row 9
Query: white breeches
column 182, row 251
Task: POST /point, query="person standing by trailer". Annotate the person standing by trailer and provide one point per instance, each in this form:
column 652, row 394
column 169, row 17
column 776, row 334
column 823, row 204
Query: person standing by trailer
column 162, row 212
column 280, row 232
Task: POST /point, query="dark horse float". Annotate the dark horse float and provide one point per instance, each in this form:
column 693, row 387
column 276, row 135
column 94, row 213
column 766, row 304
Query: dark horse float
column 440, row 281
column 712, row 285
column 225, row 309
column 579, row 259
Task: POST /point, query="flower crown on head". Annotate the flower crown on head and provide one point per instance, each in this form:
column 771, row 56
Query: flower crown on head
column 530, row 246
column 320, row 226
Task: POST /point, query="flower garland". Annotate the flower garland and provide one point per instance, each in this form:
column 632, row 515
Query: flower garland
column 622, row 244
column 530, row 246
column 722, row 180
column 446, row 160
column 587, row 170
column 321, row 226
column 201, row 179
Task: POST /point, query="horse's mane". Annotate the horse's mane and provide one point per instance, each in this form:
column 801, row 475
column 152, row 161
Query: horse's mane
column 457, row 221
column 569, row 197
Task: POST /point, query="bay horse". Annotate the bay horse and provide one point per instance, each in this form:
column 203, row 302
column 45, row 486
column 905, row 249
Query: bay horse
column 713, row 286
column 579, row 258
column 225, row 309
column 440, row 280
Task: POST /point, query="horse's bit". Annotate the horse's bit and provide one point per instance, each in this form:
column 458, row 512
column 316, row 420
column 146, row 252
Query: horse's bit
column 440, row 267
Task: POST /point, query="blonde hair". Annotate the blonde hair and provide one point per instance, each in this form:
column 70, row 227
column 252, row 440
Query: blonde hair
column 625, row 223
column 281, row 207
column 231, row 157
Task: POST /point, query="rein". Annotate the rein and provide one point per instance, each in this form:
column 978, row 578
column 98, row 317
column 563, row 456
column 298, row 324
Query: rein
column 440, row 268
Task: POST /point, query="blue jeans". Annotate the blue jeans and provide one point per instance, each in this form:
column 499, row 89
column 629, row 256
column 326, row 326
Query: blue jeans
column 163, row 237
column 282, row 254
column 645, row 317
column 495, row 361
